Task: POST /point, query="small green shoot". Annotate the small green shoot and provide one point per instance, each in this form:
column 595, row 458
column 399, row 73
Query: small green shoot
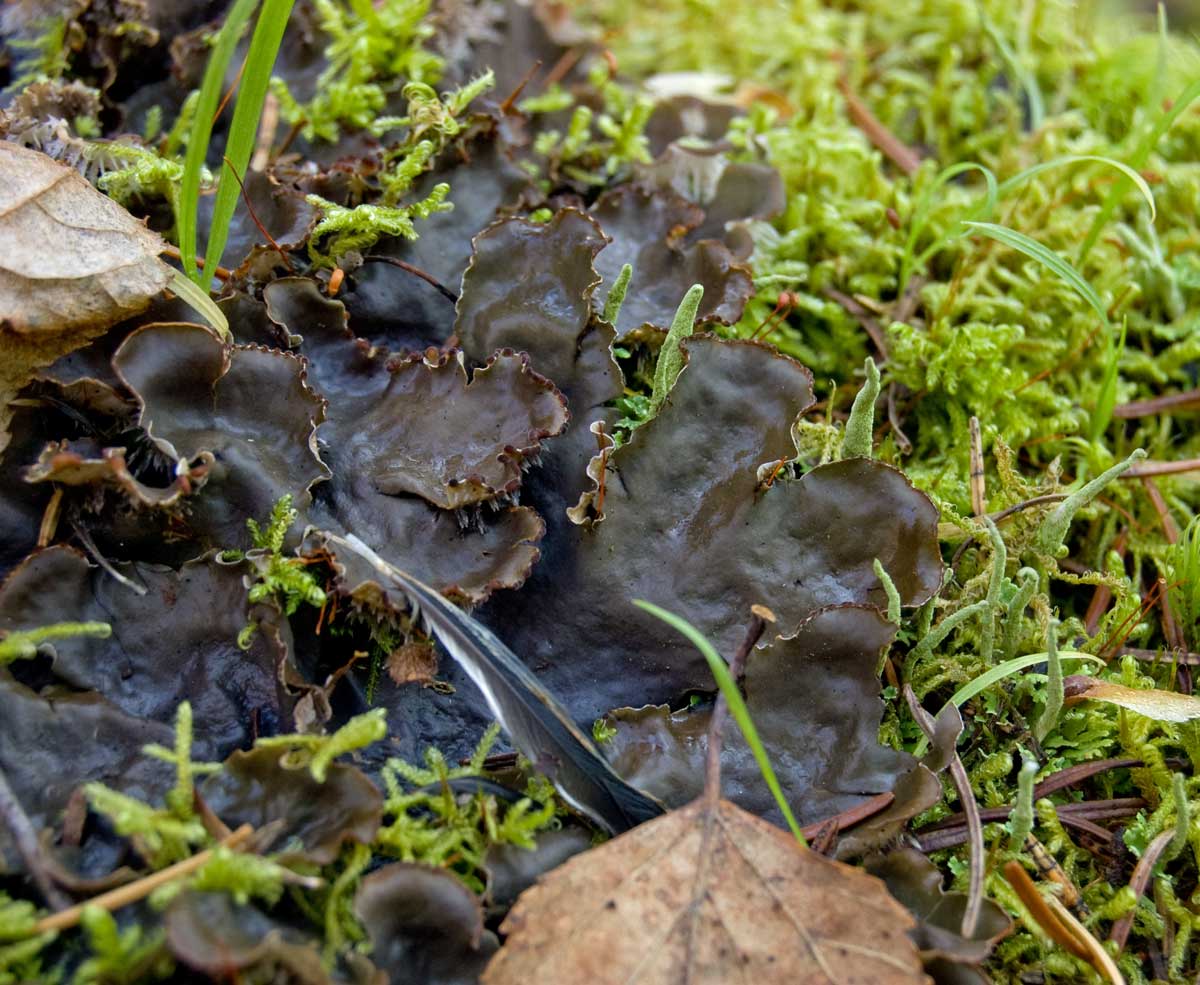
column 1054, row 686
column 1020, row 821
column 287, row 582
column 616, row 294
column 860, row 428
column 737, row 707
column 890, row 590
column 1053, row 531
column 670, row 358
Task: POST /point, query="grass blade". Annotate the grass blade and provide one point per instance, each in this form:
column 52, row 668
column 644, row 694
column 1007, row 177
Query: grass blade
column 1140, row 155
column 1107, row 399
column 998, row 673
column 1136, row 179
column 737, row 707
column 198, row 299
column 1046, row 257
column 201, row 132
column 910, row 263
column 243, row 129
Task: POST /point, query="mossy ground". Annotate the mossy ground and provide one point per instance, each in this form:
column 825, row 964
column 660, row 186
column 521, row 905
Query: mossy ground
column 976, row 329
column 976, row 91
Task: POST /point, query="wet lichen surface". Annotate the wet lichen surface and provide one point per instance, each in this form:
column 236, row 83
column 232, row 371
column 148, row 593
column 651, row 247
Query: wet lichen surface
column 875, row 326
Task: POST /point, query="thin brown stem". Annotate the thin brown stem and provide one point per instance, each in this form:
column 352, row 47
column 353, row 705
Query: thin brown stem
column 1169, row 403
column 1119, row 933
column 867, row 320
column 855, row 815
column 134, row 891
column 416, row 272
column 977, row 477
column 254, row 218
column 510, row 100
column 221, row 273
column 898, row 152
column 1170, row 530
column 1161, row 468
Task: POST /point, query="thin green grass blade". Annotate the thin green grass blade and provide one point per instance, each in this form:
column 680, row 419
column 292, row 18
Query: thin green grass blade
column 201, row 131
column 1138, row 181
column 1046, row 257
column 910, row 263
column 243, row 129
column 1137, row 160
column 199, row 300
column 1107, row 400
column 737, row 707
column 998, row 673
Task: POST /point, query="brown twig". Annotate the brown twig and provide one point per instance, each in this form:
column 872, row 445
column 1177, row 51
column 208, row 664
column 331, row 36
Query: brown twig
column 1077, row 774
column 849, row 818
column 134, row 891
column 416, row 272
column 1102, row 596
column 221, row 273
column 14, row 818
column 1036, row 904
column 1093, row 810
column 976, row 476
column 1171, row 402
column 1170, row 530
column 1119, row 933
column 1154, row 656
column 1148, row 467
column 966, row 797
column 903, row 444
column 760, row 615
column 898, row 152
column 1096, row 956
column 510, row 100
column 867, row 320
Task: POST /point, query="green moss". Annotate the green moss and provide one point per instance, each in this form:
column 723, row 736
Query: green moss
column 286, row 582
column 431, row 823
column 372, row 50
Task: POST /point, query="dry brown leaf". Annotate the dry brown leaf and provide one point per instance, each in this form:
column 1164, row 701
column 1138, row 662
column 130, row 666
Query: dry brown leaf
column 412, row 663
column 711, row 894
column 72, row 263
column 1162, row 706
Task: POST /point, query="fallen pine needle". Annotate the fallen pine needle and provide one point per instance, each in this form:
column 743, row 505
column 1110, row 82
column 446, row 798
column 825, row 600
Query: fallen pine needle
column 134, row 891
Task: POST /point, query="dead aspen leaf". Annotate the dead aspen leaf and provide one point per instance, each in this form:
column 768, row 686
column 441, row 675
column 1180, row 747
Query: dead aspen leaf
column 72, row 263
column 1162, row 706
column 706, row 894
